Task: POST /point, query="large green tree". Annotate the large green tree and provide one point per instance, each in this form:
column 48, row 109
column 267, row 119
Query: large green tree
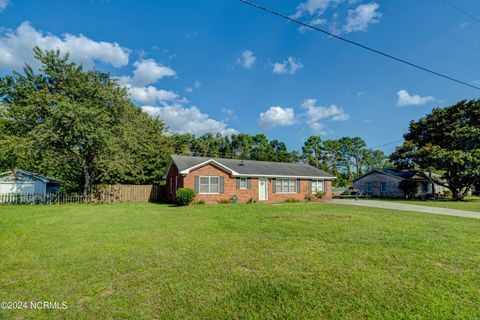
column 446, row 140
column 313, row 151
column 77, row 125
column 346, row 157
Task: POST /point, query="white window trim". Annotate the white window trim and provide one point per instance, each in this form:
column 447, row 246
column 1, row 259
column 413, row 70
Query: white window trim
column 209, row 184
column 317, row 183
column 288, row 192
column 246, row 183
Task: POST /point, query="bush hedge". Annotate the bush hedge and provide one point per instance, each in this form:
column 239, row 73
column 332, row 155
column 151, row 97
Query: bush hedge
column 185, row 196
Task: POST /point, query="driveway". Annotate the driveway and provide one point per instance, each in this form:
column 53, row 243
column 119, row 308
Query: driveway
column 408, row 207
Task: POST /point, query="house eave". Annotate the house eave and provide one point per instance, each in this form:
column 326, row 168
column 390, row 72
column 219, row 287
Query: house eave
column 283, row 176
column 378, row 171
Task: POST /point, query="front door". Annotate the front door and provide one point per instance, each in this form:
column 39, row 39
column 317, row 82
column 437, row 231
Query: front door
column 262, row 189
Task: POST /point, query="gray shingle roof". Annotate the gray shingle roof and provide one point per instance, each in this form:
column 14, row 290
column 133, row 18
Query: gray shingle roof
column 28, row 173
column 405, row 174
column 250, row 167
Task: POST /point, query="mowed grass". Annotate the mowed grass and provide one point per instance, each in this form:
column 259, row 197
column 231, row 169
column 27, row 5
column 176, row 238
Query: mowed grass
column 289, row 261
column 470, row 203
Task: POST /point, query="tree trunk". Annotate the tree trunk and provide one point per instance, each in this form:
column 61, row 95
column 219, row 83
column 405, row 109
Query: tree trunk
column 358, row 166
column 88, row 182
column 457, row 194
column 335, row 172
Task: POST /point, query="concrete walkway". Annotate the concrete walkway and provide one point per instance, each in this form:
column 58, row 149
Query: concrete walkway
column 408, row 207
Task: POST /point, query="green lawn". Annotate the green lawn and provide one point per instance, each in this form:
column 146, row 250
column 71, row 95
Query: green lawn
column 469, row 204
column 289, row 261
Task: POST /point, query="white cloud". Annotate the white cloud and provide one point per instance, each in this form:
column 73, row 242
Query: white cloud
column 405, row 99
column 16, row 48
column 360, row 18
column 318, row 128
column 332, row 112
column 4, row 4
column 188, row 120
column 150, row 94
column 229, row 113
column 290, row 66
column 315, row 114
column 277, row 116
column 247, row 59
column 313, row 7
column 329, row 12
column 192, row 35
column 313, row 10
column 147, row 72
column 196, row 85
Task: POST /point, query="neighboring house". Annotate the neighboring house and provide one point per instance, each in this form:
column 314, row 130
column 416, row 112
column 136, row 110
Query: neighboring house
column 385, row 183
column 24, row 182
column 216, row 179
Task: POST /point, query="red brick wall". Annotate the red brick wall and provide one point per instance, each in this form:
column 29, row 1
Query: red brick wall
column 176, row 178
column 230, row 187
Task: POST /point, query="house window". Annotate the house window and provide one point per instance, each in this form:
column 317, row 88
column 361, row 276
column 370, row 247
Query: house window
column 368, row 187
column 317, row 186
column 425, row 186
column 383, row 186
column 171, row 187
column 243, row 183
column 286, row 185
column 209, row 185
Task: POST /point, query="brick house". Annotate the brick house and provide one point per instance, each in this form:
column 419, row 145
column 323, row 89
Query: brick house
column 216, row 179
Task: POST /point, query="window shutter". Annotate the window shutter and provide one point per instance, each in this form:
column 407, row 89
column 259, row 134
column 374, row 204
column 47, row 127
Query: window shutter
column 298, row 185
column 274, row 185
column 221, row 184
column 309, row 186
column 249, row 183
column 197, row 184
column 238, row 183
column 325, row 186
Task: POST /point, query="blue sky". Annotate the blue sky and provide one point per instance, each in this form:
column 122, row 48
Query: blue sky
column 222, row 66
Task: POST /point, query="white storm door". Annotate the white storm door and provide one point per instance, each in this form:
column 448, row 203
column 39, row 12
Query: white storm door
column 262, row 189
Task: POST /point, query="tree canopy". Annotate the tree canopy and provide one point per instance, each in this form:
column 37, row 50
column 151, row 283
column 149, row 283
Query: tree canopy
column 347, row 158
column 77, row 125
column 446, row 140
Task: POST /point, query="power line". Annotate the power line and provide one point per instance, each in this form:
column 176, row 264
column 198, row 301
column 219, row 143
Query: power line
column 461, row 10
column 427, row 26
column 386, row 144
column 360, row 45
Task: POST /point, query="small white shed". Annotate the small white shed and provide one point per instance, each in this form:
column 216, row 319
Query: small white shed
column 24, row 182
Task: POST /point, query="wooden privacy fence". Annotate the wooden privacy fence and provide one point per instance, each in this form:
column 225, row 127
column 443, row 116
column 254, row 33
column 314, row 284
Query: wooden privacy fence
column 100, row 194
